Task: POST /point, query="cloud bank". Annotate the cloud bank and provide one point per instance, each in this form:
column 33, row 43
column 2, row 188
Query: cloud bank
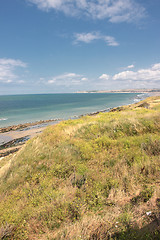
column 67, row 79
column 8, row 69
column 91, row 36
column 113, row 10
column 142, row 78
column 150, row 74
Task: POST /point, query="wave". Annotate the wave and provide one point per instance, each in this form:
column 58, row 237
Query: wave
column 3, row 119
column 140, row 97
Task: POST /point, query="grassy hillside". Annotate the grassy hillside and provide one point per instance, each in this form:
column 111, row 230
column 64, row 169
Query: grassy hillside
column 93, row 178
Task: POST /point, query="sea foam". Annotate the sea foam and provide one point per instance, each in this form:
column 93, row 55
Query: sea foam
column 3, row 119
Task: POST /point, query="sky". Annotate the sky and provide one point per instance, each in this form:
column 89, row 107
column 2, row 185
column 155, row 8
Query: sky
column 58, row 46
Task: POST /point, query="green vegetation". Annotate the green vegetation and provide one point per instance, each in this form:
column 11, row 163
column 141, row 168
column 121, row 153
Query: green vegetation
column 93, row 178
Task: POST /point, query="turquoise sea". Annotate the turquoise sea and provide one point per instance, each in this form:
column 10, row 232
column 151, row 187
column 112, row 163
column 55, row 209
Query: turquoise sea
column 16, row 109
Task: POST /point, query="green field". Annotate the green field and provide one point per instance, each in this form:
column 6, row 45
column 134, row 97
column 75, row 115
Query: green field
column 94, row 178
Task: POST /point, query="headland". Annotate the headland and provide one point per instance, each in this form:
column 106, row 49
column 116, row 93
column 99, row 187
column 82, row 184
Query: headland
column 95, row 177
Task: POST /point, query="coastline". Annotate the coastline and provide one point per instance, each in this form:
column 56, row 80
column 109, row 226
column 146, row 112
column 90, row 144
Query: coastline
column 22, row 126
column 61, row 106
column 13, row 137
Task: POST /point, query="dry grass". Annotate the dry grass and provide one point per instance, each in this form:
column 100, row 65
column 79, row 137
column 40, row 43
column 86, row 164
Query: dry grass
column 90, row 178
column 6, row 231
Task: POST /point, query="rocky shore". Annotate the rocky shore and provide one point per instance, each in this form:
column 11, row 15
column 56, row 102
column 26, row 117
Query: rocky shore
column 22, row 126
column 13, row 137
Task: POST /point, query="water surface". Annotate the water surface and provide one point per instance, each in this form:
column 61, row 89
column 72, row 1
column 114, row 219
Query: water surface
column 16, row 109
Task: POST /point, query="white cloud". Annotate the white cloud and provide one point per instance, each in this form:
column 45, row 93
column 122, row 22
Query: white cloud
column 142, row 78
column 104, row 76
column 110, row 41
column 113, row 10
column 124, row 75
column 91, row 36
column 70, row 75
column 86, row 37
column 156, row 66
column 8, row 69
column 130, row 66
column 84, row 79
column 12, row 62
column 67, row 79
column 150, row 74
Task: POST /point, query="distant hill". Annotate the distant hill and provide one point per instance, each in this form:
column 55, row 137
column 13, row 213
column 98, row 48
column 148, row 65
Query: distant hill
column 93, row 178
column 123, row 91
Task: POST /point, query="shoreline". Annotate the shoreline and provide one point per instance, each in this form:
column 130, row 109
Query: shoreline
column 6, row 125
column 26, row 125
column 22, row 126
column 12, row 138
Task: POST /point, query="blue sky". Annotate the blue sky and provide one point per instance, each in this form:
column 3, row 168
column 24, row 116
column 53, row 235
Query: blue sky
column 49, row 46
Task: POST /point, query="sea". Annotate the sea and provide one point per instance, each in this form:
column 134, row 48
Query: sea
column 17, row 109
